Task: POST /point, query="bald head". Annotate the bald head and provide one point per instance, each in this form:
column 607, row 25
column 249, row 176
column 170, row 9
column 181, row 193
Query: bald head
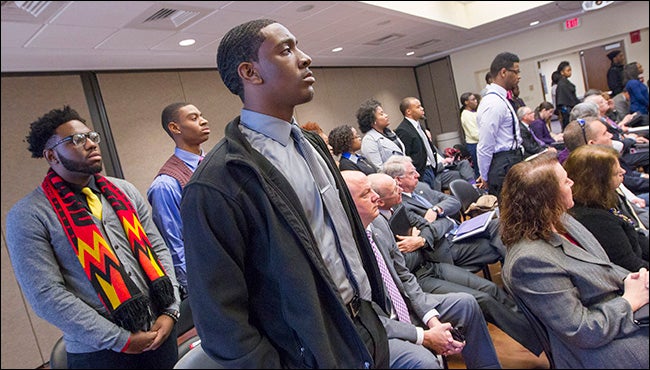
column 365, row 199
column 386, row 187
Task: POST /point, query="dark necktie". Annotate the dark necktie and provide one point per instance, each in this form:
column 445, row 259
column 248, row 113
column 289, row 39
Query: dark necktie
column 395, row 296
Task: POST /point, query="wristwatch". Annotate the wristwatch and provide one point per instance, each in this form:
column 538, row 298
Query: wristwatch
column 174, row 314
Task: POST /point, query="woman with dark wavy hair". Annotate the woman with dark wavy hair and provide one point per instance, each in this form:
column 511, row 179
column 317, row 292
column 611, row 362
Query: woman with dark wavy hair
column 597, row 174
column 558, row 270
column 345, row 143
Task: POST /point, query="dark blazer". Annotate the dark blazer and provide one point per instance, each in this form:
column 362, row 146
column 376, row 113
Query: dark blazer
column 362, row 165
column 624, row 245
column 576, row 293
column 531, row 146
column 261, row 315
column 414, row 146
column 566, row 93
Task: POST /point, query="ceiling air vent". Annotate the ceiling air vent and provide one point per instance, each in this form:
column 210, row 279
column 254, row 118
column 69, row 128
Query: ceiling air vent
column 385, row 39
column 29, row 11
column 422, row 44
column 167, row 18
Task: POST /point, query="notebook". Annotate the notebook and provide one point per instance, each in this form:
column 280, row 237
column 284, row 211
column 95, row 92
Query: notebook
column 474, row 226
column 399, row 222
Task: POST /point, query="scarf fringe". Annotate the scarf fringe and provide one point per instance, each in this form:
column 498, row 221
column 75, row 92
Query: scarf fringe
column 162, row 292
column 134, row 315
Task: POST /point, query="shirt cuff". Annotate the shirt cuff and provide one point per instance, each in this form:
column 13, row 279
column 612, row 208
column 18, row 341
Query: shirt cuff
column 429, row 315
column 420, row 335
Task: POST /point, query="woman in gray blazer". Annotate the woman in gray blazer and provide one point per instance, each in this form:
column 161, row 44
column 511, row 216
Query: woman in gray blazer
column 379, row 142
column 556, row 267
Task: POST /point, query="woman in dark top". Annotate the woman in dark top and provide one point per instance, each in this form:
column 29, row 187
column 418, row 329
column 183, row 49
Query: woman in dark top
column 596, row 173
column 541, row 125
column 565, row 97
column 345, row 141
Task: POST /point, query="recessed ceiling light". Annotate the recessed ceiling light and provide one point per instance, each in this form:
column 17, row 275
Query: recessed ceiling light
column 535, row 23
column 410, row 53
column 336, row 50
column 304, row 8
column 187, row 42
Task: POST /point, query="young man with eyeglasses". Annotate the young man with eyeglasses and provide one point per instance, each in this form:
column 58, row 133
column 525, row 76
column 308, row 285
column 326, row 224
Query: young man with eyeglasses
column 88, row 256
column 499, row 146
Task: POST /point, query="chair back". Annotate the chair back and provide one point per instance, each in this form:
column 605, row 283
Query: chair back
column 196, row 358
column 185, row 322
column 59, row 356
column 537, row 325
column 465, row 192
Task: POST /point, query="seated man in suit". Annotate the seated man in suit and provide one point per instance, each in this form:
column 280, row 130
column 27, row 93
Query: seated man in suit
column 411, row 308
column 429, row 210
column 531, row 143
column 439, row 278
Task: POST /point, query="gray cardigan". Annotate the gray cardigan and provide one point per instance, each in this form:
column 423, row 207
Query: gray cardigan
column 53, row 280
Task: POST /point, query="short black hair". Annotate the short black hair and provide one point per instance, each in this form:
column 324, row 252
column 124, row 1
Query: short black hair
column 503, row 60
column 240, row 44
column 44, row 127
column 169, row 114
column 613, row 54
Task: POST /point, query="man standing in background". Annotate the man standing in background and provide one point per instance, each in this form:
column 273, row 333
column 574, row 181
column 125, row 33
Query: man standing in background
column 185, row 124
column 499, row 144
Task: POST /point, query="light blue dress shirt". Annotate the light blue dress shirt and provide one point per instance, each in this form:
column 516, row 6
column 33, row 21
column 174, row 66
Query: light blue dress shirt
column 164, row 195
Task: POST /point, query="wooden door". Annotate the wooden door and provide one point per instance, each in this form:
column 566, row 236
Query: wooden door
column 595, row 65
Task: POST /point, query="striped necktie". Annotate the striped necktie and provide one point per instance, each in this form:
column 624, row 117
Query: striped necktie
column 394, row 293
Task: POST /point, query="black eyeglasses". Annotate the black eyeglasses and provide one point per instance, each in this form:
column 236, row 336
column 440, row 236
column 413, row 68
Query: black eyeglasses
column 581, row 122
column 515, row 71
column 79, row 139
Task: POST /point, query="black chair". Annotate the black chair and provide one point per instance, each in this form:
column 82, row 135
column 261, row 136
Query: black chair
column 185, row 322
column 537, row 325
column 58, row 356
column 467, row 194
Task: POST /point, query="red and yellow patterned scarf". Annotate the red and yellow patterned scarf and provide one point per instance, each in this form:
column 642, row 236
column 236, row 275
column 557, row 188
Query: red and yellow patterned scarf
column 129, row 307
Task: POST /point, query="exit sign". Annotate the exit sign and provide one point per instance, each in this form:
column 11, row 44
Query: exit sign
column 572, row 23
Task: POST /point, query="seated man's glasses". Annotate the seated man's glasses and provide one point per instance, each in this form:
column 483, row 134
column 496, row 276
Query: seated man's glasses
column 581, row 122
column 79, row 139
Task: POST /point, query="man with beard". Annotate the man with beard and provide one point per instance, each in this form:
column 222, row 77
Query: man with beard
column 499, row 144
column 88, row 256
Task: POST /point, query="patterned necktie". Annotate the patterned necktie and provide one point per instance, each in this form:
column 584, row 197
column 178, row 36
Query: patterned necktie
column 393, row 291
column 93, row 202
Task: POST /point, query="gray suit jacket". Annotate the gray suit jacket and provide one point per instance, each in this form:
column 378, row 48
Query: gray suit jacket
column 418, row 302
column 437, row 229
column 576, row 293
